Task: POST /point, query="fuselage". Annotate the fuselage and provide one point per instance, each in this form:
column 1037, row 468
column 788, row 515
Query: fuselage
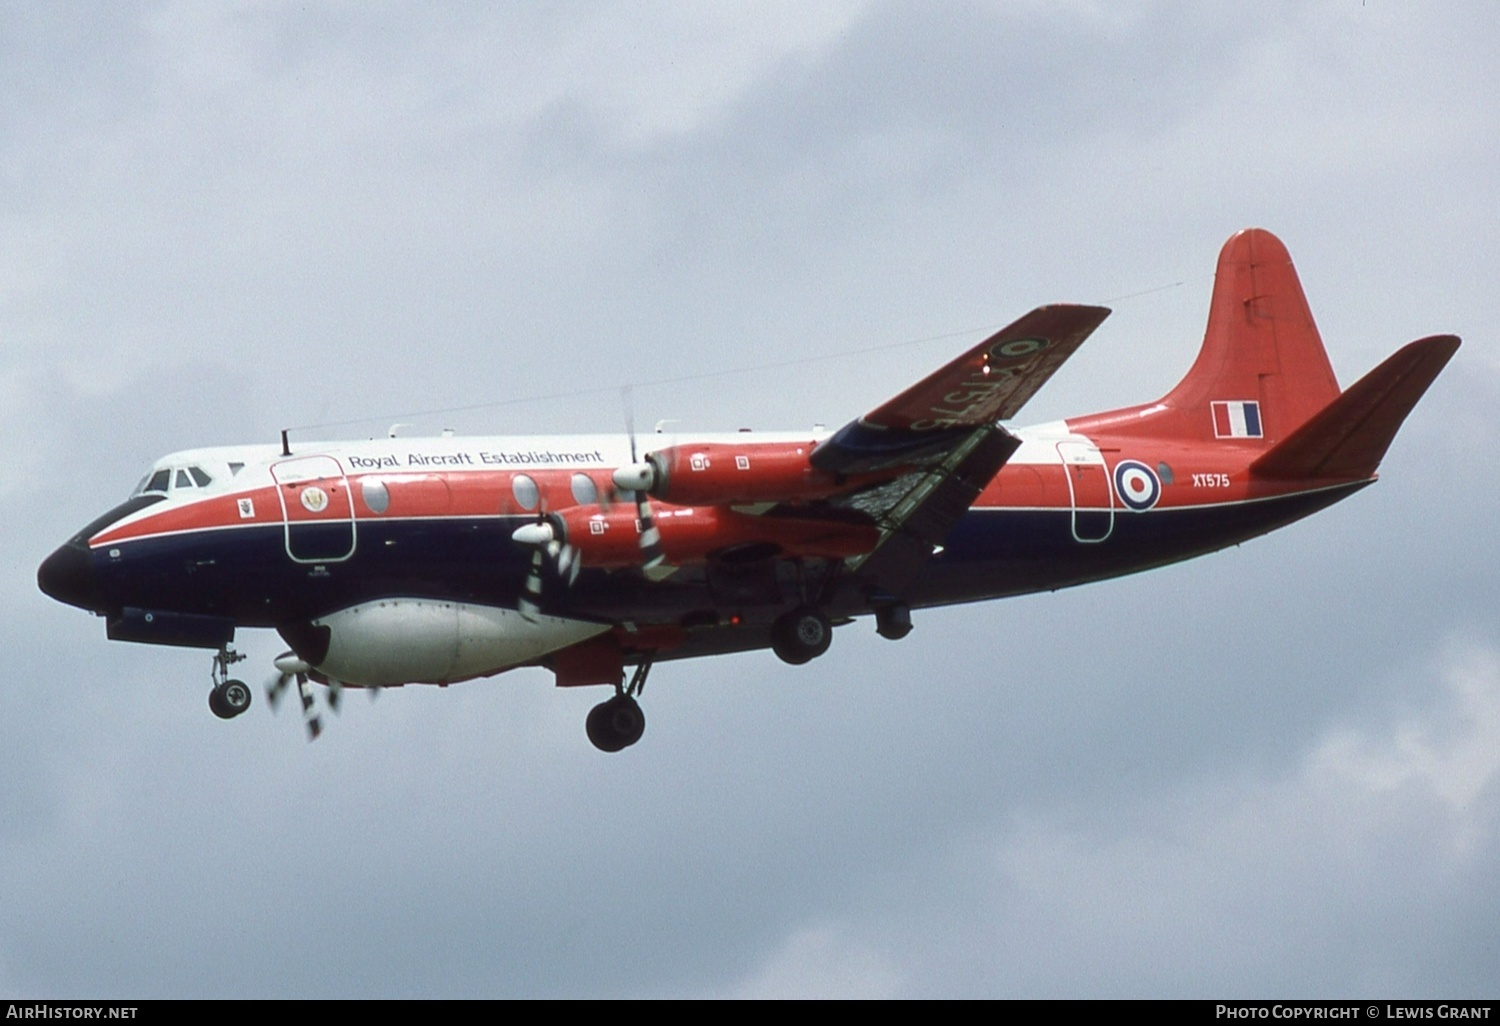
column 251, row 536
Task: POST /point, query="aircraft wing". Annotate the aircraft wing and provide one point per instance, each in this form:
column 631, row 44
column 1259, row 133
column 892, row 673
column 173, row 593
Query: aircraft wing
column 943, row 430
column 990, row 382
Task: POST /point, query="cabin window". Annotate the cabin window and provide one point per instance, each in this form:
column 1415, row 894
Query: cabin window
column 525, row 491
column 376, row 495
column 235, row 468
column 584, row 490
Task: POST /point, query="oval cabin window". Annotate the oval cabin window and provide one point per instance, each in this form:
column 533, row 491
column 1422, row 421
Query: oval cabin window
column 525, row 491
column 585, row 491
column 376, row 495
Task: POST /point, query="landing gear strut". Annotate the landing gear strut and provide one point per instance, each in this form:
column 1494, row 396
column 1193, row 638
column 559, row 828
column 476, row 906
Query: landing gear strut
column 229, row 697
column 618, row 723
column 801, row 635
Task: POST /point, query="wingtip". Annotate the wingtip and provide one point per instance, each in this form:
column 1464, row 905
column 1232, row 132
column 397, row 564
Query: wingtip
column 1440, row 343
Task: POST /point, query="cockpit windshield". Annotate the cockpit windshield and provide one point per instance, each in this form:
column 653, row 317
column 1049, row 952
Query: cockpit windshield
column 156, row 481
column 173, row 480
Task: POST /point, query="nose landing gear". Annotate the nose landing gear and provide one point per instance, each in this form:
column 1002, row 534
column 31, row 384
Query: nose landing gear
column 229, row 697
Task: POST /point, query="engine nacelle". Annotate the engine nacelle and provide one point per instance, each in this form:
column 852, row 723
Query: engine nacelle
column 691, row 534
column 740, row 473
column 412, row 640
column 608, row 539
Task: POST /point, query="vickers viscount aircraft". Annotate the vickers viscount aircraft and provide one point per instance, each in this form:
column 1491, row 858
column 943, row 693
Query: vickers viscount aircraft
column 398, row 561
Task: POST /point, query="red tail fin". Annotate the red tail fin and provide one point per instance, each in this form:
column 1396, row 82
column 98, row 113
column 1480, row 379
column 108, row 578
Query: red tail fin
column 1261, row 345
column 1262, row 372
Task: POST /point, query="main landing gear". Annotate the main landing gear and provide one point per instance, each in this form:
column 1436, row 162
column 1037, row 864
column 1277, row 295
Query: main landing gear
column 618, row 723
column 229, row 697
column 801, row 636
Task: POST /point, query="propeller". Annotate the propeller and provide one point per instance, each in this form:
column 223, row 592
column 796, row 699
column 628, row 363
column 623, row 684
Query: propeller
column 548, row 538
column 292, row 667
column 309, row 714
column 638, row 477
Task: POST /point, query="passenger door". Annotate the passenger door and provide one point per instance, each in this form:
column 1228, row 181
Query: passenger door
column 316, row 508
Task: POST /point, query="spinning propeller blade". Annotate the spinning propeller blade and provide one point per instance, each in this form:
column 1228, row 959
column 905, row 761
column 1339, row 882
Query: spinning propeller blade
column 547, row 537
column 292, row 667
column 309, row 713
column 638, row 478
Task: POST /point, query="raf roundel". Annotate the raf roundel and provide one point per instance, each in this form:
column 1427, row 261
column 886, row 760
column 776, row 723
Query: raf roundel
column 1011, row 348
column 1136, row 484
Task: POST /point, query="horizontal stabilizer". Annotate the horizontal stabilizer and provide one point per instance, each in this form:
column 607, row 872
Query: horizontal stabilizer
column 1348, row 437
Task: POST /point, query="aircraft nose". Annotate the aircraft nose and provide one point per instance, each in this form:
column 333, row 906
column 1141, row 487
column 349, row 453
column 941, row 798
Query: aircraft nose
column 68, row 576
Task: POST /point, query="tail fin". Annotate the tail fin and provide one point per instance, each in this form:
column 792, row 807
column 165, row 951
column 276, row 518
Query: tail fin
column 1349, row 437
column 1262, row 358
column 1262, row 372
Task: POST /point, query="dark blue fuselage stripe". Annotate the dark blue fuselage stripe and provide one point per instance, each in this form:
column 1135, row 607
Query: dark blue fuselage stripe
column 247, row 574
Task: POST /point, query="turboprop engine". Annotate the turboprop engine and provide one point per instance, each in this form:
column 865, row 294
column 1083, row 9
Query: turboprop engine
column 691, row 534
column 735, row 474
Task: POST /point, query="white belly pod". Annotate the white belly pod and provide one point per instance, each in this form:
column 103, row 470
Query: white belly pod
column 410, row 640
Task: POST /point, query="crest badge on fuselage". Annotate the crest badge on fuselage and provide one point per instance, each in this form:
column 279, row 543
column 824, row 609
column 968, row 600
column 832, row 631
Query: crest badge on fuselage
column 314, row 499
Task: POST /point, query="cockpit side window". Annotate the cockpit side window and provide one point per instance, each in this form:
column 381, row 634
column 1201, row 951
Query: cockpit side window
column 200, row 476
column 183, row 481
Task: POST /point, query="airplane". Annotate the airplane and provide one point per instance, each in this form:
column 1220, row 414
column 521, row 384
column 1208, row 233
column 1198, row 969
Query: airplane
column 394, row 561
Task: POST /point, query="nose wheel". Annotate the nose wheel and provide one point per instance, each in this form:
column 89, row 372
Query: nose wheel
column 229, row 697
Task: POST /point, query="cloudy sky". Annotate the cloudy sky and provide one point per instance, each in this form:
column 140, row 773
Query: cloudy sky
column 1272, row 771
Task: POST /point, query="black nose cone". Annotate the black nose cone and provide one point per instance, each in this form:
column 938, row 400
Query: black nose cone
column 68, row 576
